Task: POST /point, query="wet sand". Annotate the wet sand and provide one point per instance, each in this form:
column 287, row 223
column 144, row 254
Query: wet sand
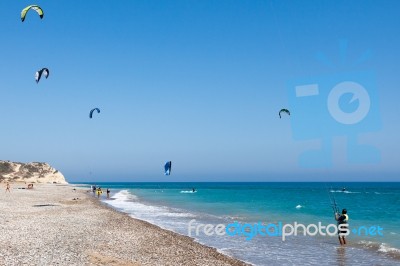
column 46, row 226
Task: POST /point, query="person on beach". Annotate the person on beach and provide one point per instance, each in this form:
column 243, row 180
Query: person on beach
column 99, row 191
column 342, row 223
column 8, row 187
column 108, row 193
column 94, row 189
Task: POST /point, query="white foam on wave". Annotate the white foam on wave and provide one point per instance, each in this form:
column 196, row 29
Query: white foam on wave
column 346, row 191
column 176, row 214
column 124, row 195
column 367, row 243
column 380, row 247
column 382, row 193
column 387, row 249
column 188, row 191
column 128, row 202
column 299, row 206
column 235, row 218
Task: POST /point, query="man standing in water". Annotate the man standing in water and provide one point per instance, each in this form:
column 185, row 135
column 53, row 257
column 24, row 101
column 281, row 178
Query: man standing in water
column 342, row 226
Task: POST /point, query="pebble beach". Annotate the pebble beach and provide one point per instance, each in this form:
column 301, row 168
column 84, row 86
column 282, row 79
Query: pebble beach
column 66, row 225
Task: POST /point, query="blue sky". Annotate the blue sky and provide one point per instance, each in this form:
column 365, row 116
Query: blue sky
column 199, row 83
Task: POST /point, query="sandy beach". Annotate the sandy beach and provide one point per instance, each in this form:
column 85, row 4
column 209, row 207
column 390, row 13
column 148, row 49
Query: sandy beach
column 57, row 225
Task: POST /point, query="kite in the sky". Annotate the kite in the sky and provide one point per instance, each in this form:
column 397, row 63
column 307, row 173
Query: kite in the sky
column 167, row 168
column 283, row 111
column 91, row 112
column 39, row 73
column 37, row 8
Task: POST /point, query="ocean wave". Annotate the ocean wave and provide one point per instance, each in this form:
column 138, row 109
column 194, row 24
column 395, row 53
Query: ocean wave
column 129, row 203
column 346, row 191
column 175, row 214
column 124, row 195
column 233, row 218
column 188, row 191
column 388, row 249
column 299, row 206
column 381, row 248
column 385, row 193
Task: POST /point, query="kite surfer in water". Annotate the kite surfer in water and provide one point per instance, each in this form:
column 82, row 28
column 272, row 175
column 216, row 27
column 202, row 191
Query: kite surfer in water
column 341, row 219
column 342, row 226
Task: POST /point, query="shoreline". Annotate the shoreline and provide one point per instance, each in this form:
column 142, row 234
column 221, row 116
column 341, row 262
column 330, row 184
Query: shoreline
column 54, row 223
column 375, row 250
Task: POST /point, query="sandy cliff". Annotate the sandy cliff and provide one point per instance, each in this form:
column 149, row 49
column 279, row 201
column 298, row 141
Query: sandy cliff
column 30, row 173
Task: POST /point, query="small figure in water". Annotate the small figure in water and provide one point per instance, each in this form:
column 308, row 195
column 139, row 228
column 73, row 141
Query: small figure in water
column 344, row 189
column 193, row 190
column 342, row 226
column 108, row 193
column 99, row 191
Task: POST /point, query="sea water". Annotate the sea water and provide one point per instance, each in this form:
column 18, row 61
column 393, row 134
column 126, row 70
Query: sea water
column 174, row 206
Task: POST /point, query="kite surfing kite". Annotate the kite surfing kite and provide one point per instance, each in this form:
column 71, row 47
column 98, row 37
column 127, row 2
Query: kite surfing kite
column 91, row 112
column 38, row 9
column 39, row 73
column 283, row 111
column 167, row 168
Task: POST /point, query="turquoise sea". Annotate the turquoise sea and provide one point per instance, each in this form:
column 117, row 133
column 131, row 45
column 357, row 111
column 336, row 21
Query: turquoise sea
column 370, row 206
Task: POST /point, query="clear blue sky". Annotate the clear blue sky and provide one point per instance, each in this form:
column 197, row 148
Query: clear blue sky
column 199, row 83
